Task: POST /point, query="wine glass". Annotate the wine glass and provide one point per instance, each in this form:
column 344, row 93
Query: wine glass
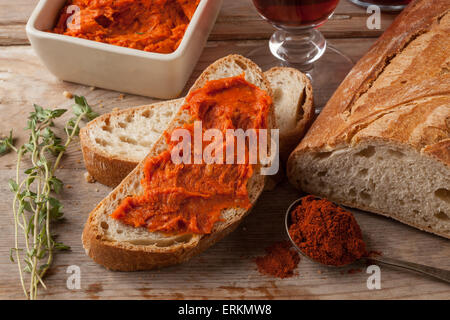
column 298, row 43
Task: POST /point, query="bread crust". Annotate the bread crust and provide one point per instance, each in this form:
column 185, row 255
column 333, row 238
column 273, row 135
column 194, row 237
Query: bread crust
column 117, row 256
column 340, row 121
column 121, row 256
column 289, row 140
column 96, row 163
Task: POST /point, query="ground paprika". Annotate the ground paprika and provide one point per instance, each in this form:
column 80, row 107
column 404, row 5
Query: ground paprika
column 280, row 260
column 326, row 232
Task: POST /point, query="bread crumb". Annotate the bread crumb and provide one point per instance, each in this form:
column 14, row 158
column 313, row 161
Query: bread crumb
column 115, row 109
column 102, row 106
column 78, row 161
column 319, row 271
column 69, row 186
column 97, row 190
column 89, row 178
column 68, row 94
column 121, row 96
column 92, row 88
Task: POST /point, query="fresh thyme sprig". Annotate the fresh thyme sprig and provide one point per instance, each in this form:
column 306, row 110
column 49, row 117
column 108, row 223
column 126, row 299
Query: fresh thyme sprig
column 7, row 144
column 34, row 205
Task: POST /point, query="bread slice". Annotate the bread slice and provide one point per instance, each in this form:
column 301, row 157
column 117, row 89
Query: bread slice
column 121, row 247
column 382, row 143
column 293, row 104
column 114, row 143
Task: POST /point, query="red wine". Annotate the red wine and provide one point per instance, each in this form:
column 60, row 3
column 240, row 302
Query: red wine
column 296, row 13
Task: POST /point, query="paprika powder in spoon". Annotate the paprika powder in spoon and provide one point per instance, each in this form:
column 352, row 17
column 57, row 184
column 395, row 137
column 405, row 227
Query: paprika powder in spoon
column 326, row 232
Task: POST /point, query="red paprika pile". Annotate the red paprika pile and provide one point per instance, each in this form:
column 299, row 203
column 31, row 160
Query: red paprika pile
column 326, row 233
column 280, row 261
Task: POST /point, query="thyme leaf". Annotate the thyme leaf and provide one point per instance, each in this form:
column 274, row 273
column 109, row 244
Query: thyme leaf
column 34, row 204
column 7, row 144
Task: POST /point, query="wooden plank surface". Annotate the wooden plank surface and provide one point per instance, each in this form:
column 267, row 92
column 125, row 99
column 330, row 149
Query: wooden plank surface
column 226, row 270
column 349, row 21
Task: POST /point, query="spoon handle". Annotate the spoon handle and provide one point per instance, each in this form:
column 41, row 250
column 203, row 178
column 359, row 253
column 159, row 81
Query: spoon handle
column 437, row 273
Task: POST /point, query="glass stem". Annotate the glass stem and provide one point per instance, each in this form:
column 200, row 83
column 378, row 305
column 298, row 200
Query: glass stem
column 301, row 47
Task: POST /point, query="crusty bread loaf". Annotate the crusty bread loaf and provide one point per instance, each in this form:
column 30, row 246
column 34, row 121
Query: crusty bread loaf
column 382, row 142
column 114, row 143
column 121, row 247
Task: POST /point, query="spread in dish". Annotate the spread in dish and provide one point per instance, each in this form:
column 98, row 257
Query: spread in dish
column 149, row 25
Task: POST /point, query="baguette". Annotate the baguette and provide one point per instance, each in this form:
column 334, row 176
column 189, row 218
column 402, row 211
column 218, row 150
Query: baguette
column 382, row 142
column 114, row 143
column 121, row 247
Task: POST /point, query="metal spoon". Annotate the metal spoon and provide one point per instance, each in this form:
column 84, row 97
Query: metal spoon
column 437, row 273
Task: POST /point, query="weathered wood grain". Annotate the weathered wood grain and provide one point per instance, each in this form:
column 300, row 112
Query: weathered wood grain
column 13, row 34
column 227, row 270
column 349, row 21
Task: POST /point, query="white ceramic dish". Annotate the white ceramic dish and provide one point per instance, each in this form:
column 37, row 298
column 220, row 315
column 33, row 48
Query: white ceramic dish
column 118, row 68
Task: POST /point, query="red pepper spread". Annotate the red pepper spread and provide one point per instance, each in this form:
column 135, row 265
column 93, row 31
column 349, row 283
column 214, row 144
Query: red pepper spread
column 188, row 198
column 149, row 25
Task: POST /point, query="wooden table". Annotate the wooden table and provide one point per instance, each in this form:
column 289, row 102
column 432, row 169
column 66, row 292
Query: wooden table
column 226, row 270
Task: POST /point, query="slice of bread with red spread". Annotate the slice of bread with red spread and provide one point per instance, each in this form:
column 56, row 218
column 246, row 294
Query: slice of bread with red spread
column 119, row 246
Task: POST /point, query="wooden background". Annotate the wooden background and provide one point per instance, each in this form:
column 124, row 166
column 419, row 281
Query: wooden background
column 226, row 270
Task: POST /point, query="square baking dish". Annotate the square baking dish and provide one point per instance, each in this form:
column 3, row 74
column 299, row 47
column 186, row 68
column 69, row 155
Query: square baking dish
column 118, row 68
